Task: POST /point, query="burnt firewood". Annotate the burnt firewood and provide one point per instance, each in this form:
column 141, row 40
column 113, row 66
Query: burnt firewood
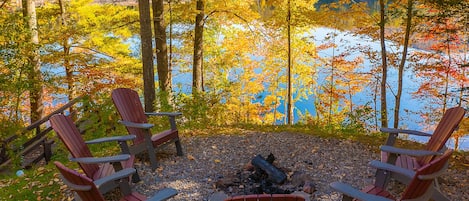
column 276, row 175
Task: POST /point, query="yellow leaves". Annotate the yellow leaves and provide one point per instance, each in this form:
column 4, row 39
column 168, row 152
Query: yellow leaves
column 190, row 157
column 271, row 100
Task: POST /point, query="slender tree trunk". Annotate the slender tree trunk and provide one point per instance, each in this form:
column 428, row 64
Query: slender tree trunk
column 397, row 106
column 66, row 57
column 170, row 60
column 384, row 113
column 289, row 88
column 147, row 55
column 448, row 68
column 198, row 49
column 35, row 76
column 164, row 75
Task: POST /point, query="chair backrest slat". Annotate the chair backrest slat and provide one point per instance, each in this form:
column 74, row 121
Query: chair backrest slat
column 75, row 178
column 130, row 109
column 443, row 131
column 417, row 186
column 71, row 137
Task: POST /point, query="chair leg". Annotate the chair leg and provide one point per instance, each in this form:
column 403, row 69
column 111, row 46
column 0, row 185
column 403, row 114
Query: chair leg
column 438, row 195
column 152, row 156
column 179, row 147
column 382, row 178
column 125, row 187
column 346, row 198
column 135, row 177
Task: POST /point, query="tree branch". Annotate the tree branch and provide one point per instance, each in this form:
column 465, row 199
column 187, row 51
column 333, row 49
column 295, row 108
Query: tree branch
column 236, row 15
column 4, row 3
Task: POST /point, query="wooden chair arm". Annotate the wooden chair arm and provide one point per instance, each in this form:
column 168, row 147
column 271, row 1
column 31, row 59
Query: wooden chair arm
column 136, row 125
column 170, row 114
column 392, row 168
column 96, row 160
column 111, row 139
column 408, row 152
column 403, row 131
column 73, row 186
column 350, row 191
column 118, row 175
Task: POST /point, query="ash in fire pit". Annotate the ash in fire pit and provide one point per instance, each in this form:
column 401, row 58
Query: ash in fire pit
column 262, row 176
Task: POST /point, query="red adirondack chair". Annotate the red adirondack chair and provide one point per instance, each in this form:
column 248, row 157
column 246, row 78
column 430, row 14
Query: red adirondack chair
column 266, row 197
column 95, row 168
column 86, row 189
column 135, row 120
column 414, row 159
column 419, row 188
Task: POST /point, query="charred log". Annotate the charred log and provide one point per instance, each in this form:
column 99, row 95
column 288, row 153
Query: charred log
column 274, row 174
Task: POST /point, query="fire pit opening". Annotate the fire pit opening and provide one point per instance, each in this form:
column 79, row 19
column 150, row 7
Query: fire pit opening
column 262, row 176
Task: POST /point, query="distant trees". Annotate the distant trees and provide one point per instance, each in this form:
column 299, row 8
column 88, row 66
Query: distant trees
column 235, row 55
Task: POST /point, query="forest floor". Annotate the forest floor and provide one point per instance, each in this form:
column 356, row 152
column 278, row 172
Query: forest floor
column 214, row 164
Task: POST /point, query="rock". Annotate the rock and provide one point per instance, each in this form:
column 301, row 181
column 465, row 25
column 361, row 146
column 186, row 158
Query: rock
column 248, row 166
column 309, row 187
column 218, row 196
column 298, row 178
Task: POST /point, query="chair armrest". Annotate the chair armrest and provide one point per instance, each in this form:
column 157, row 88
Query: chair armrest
column 111, row 139
column 171, row 114
column 163, row 194
column 348, row 190
column 108, row 159
column 73, row 186
column 392, row 168
column 409, row 152
column 411, row 132
column 125, row 173
column 136, row 125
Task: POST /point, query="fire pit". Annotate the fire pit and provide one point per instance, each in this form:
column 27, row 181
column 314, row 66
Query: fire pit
column 262, row 176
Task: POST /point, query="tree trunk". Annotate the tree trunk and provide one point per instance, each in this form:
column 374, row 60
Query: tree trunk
column 164, row 75
column 384, row 113
column 35, row 76
column 147, row 55
column 198, row 49
column 66, row 57
column 289, row 93
column 397, row 106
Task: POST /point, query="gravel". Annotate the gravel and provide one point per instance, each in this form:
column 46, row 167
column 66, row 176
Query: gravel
column 207, row 160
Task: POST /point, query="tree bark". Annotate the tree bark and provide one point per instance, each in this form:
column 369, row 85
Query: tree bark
column 384, row 113
column 147, row 55
column 66, row 58
column 164, row 75
column 397, row 106
column 289, row 93
column 34, row 75
column 197, row 68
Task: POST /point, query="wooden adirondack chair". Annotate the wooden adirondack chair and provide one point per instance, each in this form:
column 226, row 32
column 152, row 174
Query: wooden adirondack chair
column 94, row 167
column 86, row 189
column 414, row 159
column 135, row 120
column 266, row 197
column 419, row 188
